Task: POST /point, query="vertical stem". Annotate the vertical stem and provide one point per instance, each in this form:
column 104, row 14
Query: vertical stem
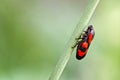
column 55, row 75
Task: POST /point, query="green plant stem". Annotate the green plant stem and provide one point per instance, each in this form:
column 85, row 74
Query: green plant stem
column 55, row 75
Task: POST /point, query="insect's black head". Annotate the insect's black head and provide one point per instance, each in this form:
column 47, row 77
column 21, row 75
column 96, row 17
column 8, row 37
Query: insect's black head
column 90, row 30
column 90, row 27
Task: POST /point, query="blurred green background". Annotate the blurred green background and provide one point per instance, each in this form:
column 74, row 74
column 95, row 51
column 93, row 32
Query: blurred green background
column 33, row 34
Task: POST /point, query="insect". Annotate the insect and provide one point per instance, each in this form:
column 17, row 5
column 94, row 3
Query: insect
column 84, row 43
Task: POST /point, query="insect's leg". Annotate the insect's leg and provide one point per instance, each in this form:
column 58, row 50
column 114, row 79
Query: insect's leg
column 83, row 34
column 76, row 43
column 85, row 31
column 79, row 37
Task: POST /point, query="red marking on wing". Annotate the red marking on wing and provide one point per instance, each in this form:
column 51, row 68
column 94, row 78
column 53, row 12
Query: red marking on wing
column 85, row 45
column 90, row 38
column 80, row 53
